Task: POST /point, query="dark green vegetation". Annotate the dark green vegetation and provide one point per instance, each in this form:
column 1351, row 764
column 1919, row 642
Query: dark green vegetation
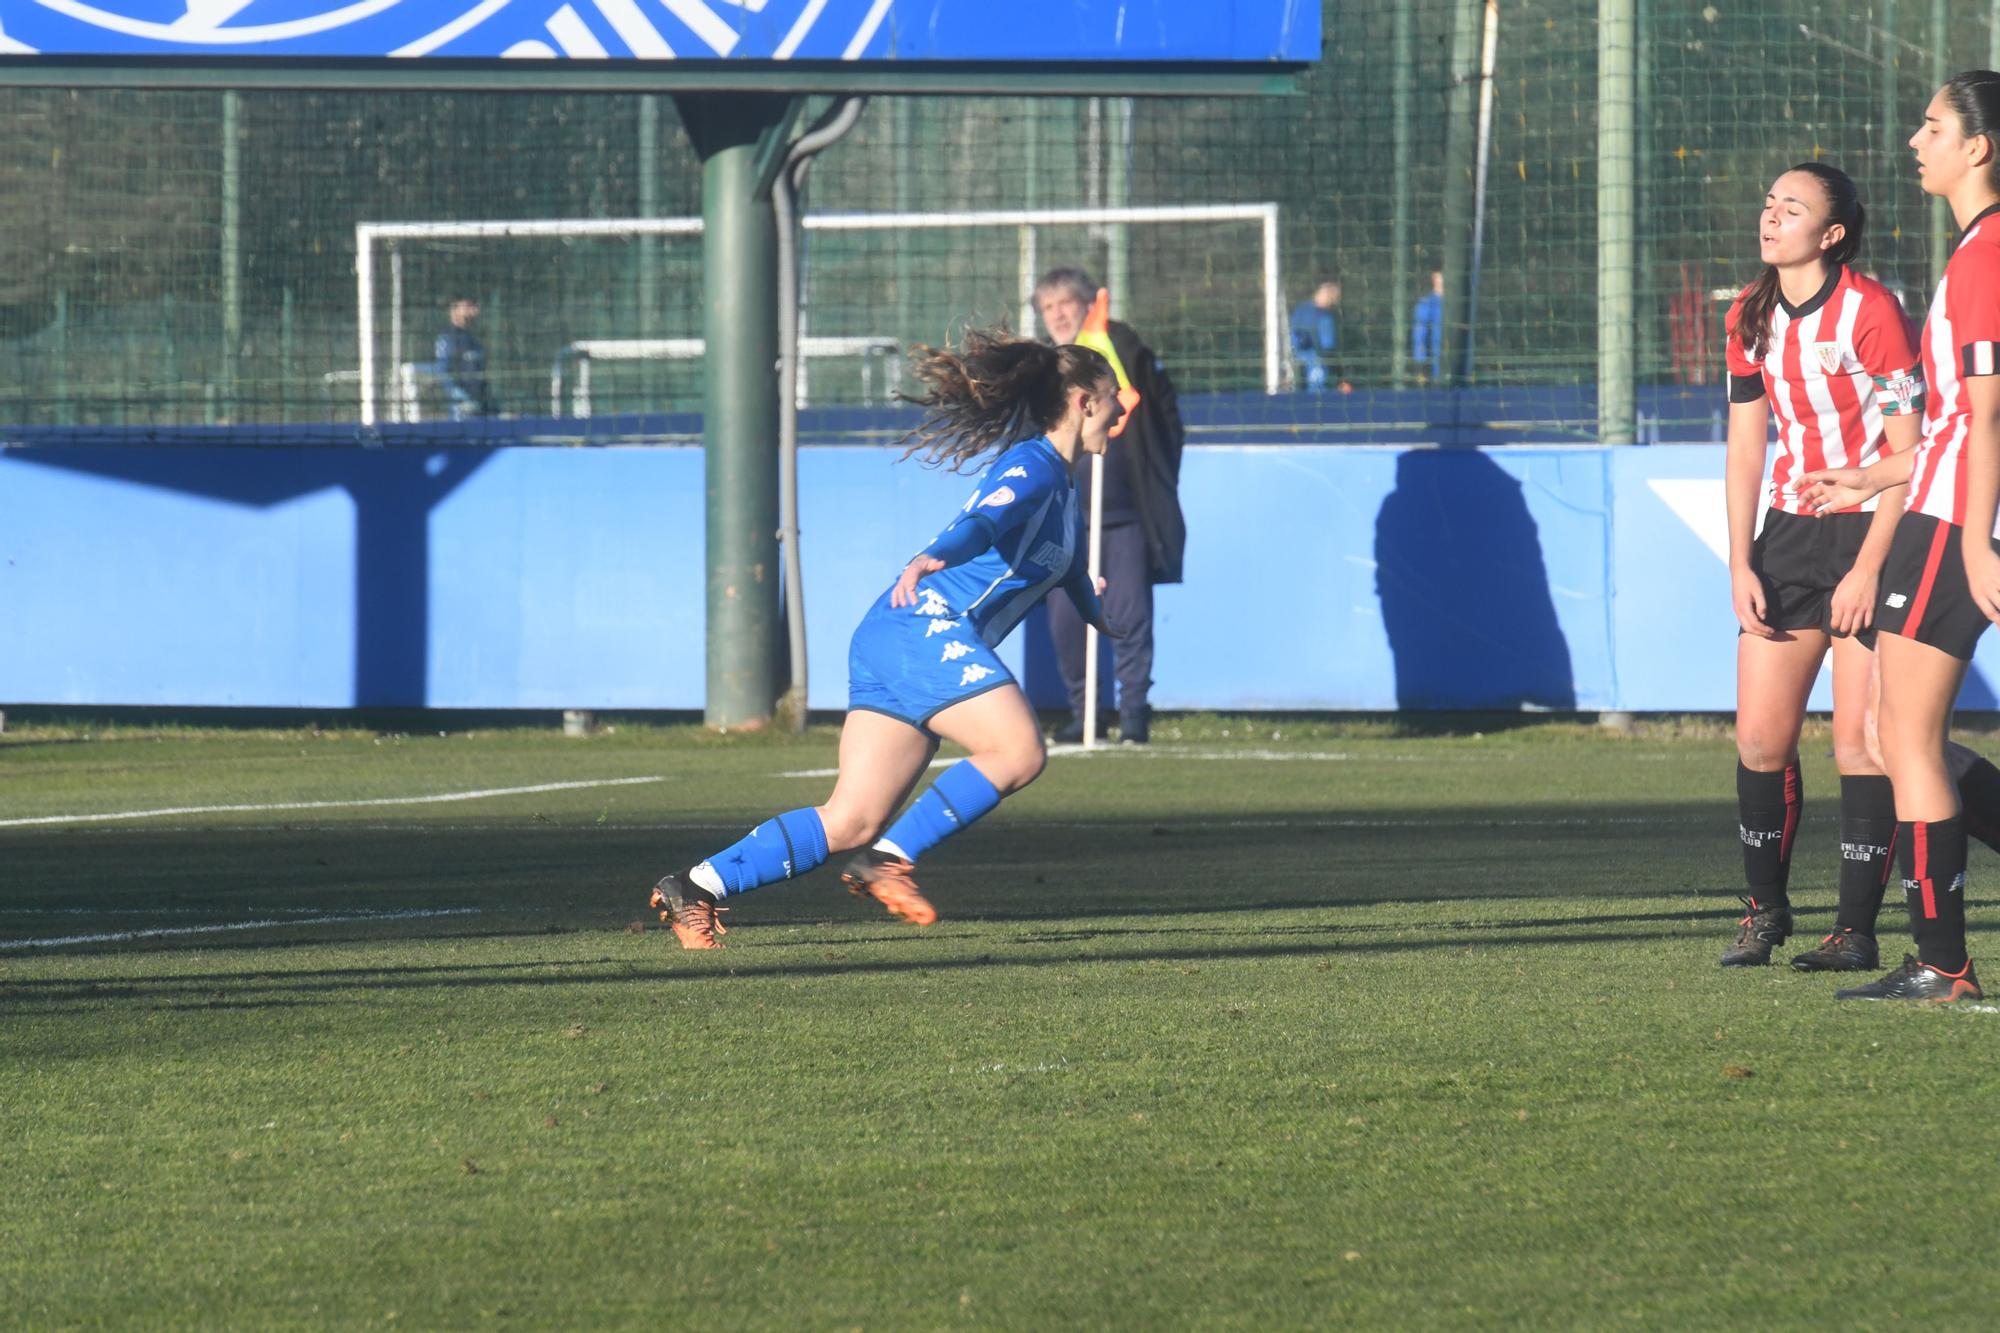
column 1330, row 1026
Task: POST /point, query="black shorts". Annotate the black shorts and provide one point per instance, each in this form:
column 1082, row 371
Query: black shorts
column 1800, row 559
column 1924, row 593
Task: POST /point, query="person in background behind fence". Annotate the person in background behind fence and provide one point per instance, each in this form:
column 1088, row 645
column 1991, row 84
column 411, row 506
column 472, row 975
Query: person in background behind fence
column 1144, row 535
column 461, row 363
column 1316, row 341
column 1427, row 331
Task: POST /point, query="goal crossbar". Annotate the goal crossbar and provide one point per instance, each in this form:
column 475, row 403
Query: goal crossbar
column 369, row 235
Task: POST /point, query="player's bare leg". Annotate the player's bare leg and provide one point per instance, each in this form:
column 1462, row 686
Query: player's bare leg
column 1005, row 742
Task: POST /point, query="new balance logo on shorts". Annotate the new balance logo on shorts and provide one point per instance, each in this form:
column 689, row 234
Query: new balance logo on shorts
column 1897, row 600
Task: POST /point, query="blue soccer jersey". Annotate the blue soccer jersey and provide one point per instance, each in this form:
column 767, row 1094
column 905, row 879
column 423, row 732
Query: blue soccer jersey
column 1017, row 539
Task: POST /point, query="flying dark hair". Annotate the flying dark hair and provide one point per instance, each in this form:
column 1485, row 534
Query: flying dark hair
column 1974, row 97
column 994, row 390
column 1843, row 205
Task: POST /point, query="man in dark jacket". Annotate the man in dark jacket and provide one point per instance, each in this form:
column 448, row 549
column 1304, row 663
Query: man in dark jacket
column 1144, row 534
column 461, row 364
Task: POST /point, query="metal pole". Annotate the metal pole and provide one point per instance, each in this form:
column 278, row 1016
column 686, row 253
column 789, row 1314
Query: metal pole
column 1095, row 561
column 1031, row 197
column 1993, row 35
column 395, row 317
column 61, row 334
column 285, row 367
column 1942, row 229
column 1646, row 354
column 1616, row 249
column 364, row 308
column 1483, row 149
column 740, row 403
column 232, row 249
column 1461, row 112
column 649, row 246
column 1402, row 67
column 1117, row 193
column 1274, row 290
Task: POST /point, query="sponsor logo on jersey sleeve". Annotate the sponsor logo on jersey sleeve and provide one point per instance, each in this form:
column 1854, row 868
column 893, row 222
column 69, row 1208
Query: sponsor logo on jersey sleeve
column 998, row 499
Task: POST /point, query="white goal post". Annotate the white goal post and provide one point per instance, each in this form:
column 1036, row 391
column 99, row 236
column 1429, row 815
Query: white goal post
column 368, row 236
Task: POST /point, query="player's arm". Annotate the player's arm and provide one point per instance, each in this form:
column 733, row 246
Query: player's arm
column 966, row 537
column 1082, row 592
column 1982, row 491
column 1884, row 347
column 1743, row 486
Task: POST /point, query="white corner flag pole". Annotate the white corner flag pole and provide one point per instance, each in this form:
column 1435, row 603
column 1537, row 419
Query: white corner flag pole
column 1090, row 631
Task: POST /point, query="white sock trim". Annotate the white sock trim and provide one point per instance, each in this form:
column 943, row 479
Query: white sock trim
column 884, row 845
column 703, row 876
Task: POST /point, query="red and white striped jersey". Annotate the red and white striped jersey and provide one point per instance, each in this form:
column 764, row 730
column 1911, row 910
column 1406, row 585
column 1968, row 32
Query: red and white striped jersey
column 1833, row 368
column 1961, row 338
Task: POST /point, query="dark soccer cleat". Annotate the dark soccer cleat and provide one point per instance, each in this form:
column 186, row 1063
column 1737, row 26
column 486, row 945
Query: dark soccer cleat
column 1918, row 981
column 691, row 911
column 1842, row 951
column 887, row 880
column 1760, row 931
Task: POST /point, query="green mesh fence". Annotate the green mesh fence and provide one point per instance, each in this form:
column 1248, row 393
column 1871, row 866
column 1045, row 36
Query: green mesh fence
column 181, row 259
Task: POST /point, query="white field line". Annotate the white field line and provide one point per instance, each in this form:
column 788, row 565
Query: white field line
column 438, row 799
column 1188, row 752
column 162, row 932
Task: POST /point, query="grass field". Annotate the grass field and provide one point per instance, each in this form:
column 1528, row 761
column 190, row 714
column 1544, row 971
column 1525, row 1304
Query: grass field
column 1276, row 1024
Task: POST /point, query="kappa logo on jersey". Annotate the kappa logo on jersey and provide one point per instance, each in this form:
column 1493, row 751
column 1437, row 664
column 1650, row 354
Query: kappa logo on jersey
column 932, row 605
column 974, row 674
column 1897, row 600
column 954, row 650
column 1014, row 472
column 940, row 626
column 1829, row 356
column 1050, row 555
column 1003, row 496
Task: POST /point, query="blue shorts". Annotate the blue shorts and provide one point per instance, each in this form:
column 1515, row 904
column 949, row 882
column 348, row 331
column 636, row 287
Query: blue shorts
column 913, row 667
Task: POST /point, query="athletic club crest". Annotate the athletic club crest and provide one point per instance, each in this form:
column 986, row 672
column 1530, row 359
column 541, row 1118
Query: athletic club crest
column 1829, row 356
column 475, row 29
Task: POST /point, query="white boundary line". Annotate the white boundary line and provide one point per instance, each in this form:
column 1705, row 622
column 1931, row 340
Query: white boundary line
column 328, row 805
column 161, row 932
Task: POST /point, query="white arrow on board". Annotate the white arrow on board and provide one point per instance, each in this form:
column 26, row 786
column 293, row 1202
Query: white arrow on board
column 1703, row 504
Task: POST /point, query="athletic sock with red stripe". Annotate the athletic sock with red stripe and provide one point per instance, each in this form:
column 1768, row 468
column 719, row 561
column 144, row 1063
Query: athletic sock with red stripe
column 1767, row 814
column 1867, row 823
column 1978, row 795
column 1932, row 859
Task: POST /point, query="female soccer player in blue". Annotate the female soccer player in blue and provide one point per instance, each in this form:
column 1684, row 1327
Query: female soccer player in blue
column 922, row 665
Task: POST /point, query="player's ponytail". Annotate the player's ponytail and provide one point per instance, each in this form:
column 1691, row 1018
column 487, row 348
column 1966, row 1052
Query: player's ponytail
column 1843, row 206
column 994, row 390
column 1974, row 97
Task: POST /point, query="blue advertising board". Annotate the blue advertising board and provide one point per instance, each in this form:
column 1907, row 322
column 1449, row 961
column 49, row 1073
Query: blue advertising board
column 1357, row 578
column 1207, row 32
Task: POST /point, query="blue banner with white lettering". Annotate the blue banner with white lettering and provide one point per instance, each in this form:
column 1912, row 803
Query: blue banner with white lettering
column 1021, row 31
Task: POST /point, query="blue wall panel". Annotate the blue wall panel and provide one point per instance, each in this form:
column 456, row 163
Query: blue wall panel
column 1336, row 578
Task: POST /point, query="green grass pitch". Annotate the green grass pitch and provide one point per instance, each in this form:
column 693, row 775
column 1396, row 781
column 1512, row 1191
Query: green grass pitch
column 1278, row 1024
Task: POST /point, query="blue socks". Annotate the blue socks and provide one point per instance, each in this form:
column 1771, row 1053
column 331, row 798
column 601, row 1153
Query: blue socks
column 957, row 799
column 781, row 848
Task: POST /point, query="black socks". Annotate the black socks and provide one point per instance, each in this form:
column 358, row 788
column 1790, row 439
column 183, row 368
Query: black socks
column 1767, row 813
